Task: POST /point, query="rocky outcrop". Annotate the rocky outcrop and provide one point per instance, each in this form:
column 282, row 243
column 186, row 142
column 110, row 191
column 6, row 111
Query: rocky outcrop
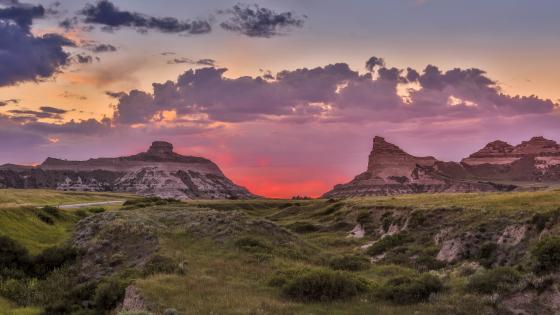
column 157, row 172
column 392, row 171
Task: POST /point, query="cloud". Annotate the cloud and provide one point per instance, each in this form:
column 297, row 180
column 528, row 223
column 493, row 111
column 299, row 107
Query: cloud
column 200, row 62
column 53, row 110
column 101, row 48
column 374, row 62
column 105, row 13
column 255, row 21
column 44, row 112
column 7, row 102
column 26, row 57
column 83, row 59
column 21, row 13
column 67, row 94
column 330, row 94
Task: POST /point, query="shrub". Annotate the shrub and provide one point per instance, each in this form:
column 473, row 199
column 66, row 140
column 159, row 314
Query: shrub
column 487, row 254
column 51, row 210
column 13, row 256
column 108, row 293
column 324, row 286
column 21, row 291
column 303, row 227
column 350, row 263
column 253, row 245
column 388, row 242
column 410, row 289
column 164, row 265
column 282, row 277
column 547, row 255
column 96, row 210
column 81, row 213
column 495, row 280
column 45, row 218
column 53, row 258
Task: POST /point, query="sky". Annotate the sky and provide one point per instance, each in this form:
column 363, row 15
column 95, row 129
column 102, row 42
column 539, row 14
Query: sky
column 285, row 96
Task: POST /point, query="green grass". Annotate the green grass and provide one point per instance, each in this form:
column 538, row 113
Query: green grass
column 7, row 308
column 23, row 225
column 224, row 278
column 10, row 198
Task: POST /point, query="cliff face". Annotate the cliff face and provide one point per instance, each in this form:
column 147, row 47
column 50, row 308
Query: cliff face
column 156, row 172
column 393, row 171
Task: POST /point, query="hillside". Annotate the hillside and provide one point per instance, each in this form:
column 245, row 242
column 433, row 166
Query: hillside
column 422, row 254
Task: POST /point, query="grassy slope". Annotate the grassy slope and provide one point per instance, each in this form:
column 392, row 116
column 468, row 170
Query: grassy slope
column 10, row 198
column 18, row 215
column 7, row 308
column 222, row 279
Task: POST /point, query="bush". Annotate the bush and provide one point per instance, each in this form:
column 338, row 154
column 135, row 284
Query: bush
column 164, row 265
column 410, row 289
column 97, row 210
column 495, row 280
column 487, row 254
column 253, row 245
column 350, row 263
column 547, row 255
column 324, row 286
column 53, row 258
column 45, row 218
column 21, row 291
column 52, row 211
column 388, row 242
column 13, row 257
column 81, row 213
column 303, row 227
column 108, row 293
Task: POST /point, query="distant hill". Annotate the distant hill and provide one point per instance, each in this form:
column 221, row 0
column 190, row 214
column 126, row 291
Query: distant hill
column 157, row 172
column 392, row 171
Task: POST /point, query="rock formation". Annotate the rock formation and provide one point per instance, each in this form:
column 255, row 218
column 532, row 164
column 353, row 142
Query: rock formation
column 498, row 166
column 157, row 172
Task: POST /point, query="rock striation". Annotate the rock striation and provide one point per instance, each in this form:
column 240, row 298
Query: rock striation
column 157, row 172
column 498, row 166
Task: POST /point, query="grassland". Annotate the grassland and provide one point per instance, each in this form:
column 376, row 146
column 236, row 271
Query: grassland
column 10, row 198
column 222, row 278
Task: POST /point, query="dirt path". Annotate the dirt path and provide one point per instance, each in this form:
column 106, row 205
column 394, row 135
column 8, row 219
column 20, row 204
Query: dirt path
column 91, row 204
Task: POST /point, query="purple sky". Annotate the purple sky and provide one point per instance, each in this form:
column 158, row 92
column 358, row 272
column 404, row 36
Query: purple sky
column 285, row 98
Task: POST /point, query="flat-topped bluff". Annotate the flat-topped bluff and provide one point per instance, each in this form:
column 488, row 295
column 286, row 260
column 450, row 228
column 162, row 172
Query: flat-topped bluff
column 393, row 171
column 159, row 154
column 157, row 172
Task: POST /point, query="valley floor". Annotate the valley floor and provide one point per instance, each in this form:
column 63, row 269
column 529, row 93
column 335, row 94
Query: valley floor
column 492, row 253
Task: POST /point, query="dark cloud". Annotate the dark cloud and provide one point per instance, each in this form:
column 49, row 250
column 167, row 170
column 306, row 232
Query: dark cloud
column 107, row 14
column 201, row 62
column 101, row 48
column 255, row 21
column 6, row 102
column 83, row 59
column 44, row 112
column 68, row 94
column 412, row 75
column 83, row 127
column 333, row 93
column 21, row 13
column 52, row 110
column 114, row 94
column 374, row 62
column 25, row 57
